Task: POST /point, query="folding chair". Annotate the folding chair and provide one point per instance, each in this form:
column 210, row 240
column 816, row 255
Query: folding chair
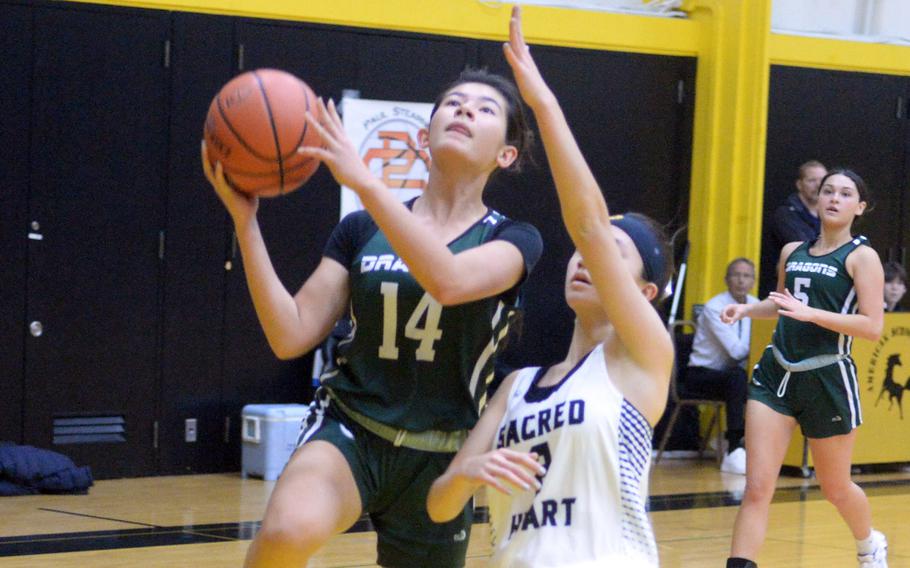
column 683, row 342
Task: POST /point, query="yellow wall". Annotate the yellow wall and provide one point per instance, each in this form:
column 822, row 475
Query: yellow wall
column 463, row 18
column 734, row 46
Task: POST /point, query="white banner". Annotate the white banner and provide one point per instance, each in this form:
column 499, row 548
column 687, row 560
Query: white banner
column 385, row 134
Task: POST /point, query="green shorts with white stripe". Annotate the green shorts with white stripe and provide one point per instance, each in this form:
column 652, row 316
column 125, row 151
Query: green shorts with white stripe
column 824, row 401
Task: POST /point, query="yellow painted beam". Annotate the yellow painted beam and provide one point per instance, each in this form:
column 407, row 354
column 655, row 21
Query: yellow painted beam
column 463, row 18
column 838, row 54
column 728, row 154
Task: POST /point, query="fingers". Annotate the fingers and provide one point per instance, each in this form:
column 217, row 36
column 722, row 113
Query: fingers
column 206, row 165
column 314, row 152
column 320, row 129
column 527, row 460
column 514, row 475
column 509, row 55
column 220, row 182
column 516, row 34
column 216, row 176
column 335, row 117
column 517, row 468
column 329, row 119
column 516, row 46
column 328, row 125
column 515, row 27
column 506, row 470
column 730, row 313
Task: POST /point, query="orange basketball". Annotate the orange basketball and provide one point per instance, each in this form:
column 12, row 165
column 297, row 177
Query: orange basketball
column 255, row 125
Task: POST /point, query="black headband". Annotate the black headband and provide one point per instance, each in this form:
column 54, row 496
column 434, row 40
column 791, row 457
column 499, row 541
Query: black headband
column 648, row 246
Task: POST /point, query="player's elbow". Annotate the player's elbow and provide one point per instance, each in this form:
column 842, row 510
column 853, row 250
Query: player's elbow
column 446, row 290
column 284, row 353
column 287, row 350
column 448, row 296
column 874, row 331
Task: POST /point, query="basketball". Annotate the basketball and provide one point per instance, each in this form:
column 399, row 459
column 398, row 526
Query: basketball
column 255, row 125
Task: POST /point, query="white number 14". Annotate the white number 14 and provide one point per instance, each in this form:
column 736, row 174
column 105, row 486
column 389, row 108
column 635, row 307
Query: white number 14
column 427, row 335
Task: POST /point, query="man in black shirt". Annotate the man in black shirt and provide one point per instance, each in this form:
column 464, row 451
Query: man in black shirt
column 795, row 220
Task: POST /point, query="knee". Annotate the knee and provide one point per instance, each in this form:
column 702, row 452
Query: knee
column 294, row 532
column 758, row 491
column 837, row 493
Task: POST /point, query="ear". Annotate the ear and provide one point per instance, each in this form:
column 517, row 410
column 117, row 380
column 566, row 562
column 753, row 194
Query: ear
column 862, row 208
column 650, row 291
column 507, row 156
column 423, row 138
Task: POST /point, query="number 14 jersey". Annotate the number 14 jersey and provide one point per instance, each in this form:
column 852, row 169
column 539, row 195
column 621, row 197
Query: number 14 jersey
column 410, row 362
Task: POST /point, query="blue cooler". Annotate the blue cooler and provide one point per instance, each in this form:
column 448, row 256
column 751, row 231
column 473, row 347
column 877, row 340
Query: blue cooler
column 269, row 437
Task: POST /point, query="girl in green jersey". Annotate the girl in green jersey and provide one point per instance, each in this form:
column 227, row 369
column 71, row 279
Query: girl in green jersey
column 829, row 291
column 443, row 271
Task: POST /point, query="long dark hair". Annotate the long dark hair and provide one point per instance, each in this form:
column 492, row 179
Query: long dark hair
column 518, row 130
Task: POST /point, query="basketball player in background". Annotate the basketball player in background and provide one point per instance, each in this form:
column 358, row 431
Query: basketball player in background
column 829, row 291
column 567, row 449
column 429, row 286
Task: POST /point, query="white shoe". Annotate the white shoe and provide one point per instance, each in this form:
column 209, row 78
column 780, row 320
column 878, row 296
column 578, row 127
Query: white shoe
column 735, row 462
column 878, row 558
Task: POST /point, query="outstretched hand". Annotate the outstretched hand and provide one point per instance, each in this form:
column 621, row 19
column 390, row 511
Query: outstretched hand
column 789, row 306
column 337, row 151
column 241, row 206
column 732, row 313
column 533, row 88
column 503, row 470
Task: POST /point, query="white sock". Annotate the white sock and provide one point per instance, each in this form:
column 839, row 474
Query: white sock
column 867, row 545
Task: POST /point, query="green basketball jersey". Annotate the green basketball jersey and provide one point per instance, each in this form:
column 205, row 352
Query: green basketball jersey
column 410, row 362
column 821, row 282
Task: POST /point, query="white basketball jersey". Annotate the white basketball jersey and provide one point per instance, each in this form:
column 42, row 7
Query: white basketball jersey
column 596, row 447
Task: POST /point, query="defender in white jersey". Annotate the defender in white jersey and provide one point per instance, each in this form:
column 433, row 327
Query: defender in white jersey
column 566, row 449
column 596, row 447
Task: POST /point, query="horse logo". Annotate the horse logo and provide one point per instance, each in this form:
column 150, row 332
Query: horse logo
column 895, row 391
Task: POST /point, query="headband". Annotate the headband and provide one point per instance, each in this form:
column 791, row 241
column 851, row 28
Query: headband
column 647, row 244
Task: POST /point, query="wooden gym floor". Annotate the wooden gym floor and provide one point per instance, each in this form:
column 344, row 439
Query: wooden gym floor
column 207, row 521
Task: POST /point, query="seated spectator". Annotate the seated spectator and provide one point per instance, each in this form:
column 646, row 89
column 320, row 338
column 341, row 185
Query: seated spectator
column 717, row 366
column 895, row 286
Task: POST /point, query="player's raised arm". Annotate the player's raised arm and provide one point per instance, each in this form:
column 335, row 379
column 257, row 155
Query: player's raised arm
column 587, row 218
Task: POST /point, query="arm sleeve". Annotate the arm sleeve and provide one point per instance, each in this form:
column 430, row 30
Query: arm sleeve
column 736, row 347
column 526, row 239
column 348, row 237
